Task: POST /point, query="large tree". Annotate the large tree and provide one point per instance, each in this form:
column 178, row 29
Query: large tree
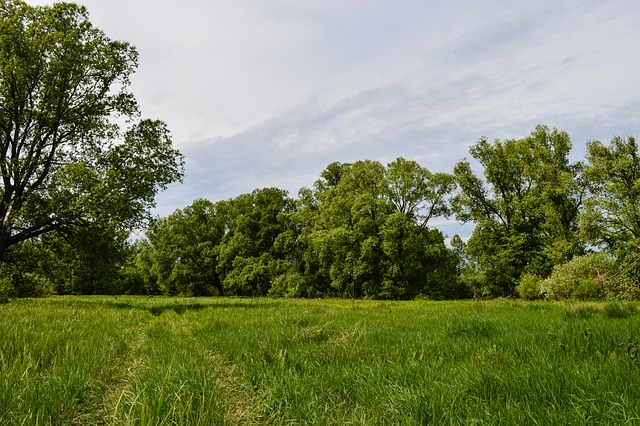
column 366, row 231
column 65, row 161
column 250, row 257
column 230, row 247
column 612, row 213
column 185, row 247
column 526, row 208
column 417, row 192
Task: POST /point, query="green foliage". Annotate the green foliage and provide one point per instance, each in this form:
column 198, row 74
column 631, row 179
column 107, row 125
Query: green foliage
column 588, row 289
column 612, row 214
column 65, row 163
column 181, row 255
column 416, row 192
column 83, row 260
column 361, row 232
column 20, row 279
column 6, row 289
column 528, row 287
column 289, row 285
column 584, row 277
column 250, row 276
column 234, row 247
column 365, row 231
column 624, row 283
column 32, row 285
column 618, row 310
column 86, row 260
column 15, row 274
column 254, row 248
column 595, row 276
column 525, row 210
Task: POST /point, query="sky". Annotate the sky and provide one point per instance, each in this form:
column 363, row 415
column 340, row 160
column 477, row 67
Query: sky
column 267, row 93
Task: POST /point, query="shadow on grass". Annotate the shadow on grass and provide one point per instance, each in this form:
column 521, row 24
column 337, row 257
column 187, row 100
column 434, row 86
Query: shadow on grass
column 157, row 306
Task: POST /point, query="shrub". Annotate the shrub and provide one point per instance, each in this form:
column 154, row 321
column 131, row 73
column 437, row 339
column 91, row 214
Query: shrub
column 15, row 283
column 588, row 289
column 583, row 277
column 6, row 290
column 32, row 285
column 528, row 287
column 288, row 285
column 625, row 283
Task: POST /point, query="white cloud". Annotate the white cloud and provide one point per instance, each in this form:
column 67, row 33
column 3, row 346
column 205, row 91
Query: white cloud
column 269, row 93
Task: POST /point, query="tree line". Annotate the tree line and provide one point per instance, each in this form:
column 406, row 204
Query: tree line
column 80, row 169
column 364, row 229
column 361, row 231
column 544, row 226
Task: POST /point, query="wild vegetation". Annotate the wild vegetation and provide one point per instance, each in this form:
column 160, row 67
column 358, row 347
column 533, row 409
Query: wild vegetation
column 75, row 182
column 79, row 169
column 162, row 361
column 73, row 179
column 363, row 230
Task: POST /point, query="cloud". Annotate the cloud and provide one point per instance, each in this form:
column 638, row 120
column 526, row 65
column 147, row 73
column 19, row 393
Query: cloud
column 269, row 93
column 291, row 150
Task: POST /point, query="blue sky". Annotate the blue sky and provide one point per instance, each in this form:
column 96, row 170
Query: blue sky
column 262, row 93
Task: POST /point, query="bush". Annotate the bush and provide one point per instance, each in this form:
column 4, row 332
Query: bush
column 32, row 285
column 583, row 277
column 16, row 283
column 528, row 287
column 588, row 289
column 625, row 283
column 6, row 289
column 288, row 285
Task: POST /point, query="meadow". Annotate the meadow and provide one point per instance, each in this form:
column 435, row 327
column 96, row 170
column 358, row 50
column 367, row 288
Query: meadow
column 218, row 361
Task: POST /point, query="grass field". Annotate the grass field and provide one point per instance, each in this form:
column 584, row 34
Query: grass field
column 171, row 361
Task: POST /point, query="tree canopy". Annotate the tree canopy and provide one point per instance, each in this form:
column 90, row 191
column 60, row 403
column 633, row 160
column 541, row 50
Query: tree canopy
column 80, row 168
column 65, row 160
column 526, row 209
column 612, row 214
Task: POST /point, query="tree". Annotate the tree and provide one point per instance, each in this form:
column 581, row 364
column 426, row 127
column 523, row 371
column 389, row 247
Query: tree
column 251, row 256
column 526, row 212
column 185, row 247
column 611, row 218
column 64, row 160
column 86, row 260
column 343, row 234
column 612, row 214
column 366, row 231
column 416, row 192
column 234, row 247
column 82, row 260
column 416, row 261
column 137, row 276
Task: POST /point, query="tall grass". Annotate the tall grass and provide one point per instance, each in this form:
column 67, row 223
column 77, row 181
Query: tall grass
column 152, row 361
column 57, row 360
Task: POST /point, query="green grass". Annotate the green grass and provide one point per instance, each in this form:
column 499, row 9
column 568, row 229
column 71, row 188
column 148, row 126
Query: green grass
column 166, row 361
